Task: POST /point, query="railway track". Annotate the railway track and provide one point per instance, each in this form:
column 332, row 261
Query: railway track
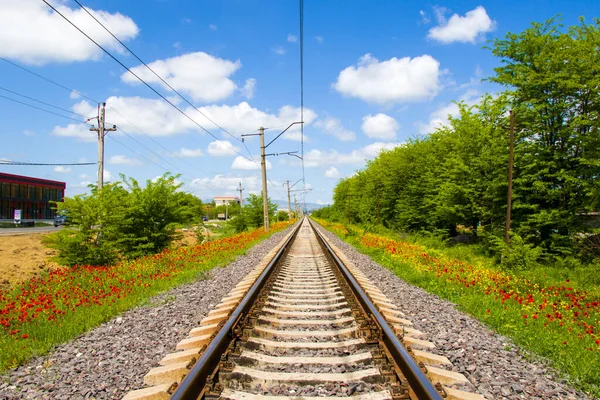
column 306, row 323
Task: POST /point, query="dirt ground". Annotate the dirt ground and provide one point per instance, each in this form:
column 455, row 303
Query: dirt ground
column 23, row 256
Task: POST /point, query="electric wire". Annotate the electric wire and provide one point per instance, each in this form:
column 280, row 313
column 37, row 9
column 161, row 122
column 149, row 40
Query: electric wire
column 154, row 140
column 83, row 122
column 5, row 162
column 41, row 109
column 155, row 74
column 48, row 80
column 71, row 112
column 135, row 75
column 302, row 91
column 42, row 102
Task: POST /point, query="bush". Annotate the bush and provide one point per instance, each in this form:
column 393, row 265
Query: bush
column 122, row 222
column 518, row 256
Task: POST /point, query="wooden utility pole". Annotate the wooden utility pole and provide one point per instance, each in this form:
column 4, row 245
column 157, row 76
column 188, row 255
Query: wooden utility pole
column 511, row 150
column 102, row 131
column 240, row 189
column 348, row 210
column 378, row 204
column 263, row 166
column 289, row 202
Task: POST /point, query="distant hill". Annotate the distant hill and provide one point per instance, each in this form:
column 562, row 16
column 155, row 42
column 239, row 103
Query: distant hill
column 309, row 206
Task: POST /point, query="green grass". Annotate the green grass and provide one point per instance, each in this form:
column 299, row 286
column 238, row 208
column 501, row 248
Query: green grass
column 463, row 275
column 66, row 303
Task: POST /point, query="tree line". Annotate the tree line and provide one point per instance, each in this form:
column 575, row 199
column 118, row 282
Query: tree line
column 454, row 180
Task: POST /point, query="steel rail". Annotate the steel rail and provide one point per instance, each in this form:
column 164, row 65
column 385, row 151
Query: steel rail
column 193, row 384
column 415, row 377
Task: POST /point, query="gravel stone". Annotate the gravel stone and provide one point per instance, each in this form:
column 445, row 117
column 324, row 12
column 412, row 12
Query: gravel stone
column 112, row 359
column 497, row 368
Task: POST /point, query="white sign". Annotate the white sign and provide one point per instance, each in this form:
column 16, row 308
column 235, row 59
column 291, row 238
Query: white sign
column 17, row 216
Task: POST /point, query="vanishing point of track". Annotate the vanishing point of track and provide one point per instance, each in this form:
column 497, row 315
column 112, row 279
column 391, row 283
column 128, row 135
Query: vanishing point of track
column 305, row 323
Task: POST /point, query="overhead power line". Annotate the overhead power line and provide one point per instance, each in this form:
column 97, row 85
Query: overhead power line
column 5, row 162
column 302, row 91
column 42, row 102
column 41, row 109
column 48, row 80
column 79, row 121
column 137, row 77
column 155, row 74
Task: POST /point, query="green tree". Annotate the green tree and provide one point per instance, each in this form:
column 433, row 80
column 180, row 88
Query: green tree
column 282, row 216
column 92, row 234
column 552, row 77
column 120, row 221
column 151, row 214
column 253, row 210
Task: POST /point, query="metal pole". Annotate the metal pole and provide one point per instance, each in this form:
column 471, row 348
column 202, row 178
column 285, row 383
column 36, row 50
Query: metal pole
column 101, row 133
column 295, row 206
column 263, row 165
column 101, row 149
column 511, row 150
column 289, row 202
column 241, row 199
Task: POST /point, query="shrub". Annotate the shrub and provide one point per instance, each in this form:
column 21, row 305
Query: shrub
column 518, row 256
column 122, row 222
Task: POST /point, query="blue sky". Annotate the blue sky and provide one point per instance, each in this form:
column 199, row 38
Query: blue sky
column 375, row 74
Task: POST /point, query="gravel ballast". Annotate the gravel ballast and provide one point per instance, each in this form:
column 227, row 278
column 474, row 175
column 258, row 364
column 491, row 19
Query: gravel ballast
column 495, row 366
column 112, row 359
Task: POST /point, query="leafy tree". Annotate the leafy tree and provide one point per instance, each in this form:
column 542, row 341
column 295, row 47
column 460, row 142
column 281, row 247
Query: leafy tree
column 148, row 226
column 253, row 210
column 92, row 234
column 552, row 77
column 120, row 221
column 282, row 216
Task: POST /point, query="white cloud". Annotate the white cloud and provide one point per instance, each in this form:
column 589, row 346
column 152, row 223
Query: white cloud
column 157, row 118
column 80, row 132
column 380, row 126
column 188, row 153
column 292, row 38
column 248, row 89
column 74, row 95
column 29, row 133
column 212, row 27
column 319, row 39
column 202, row 76
column 107, row 176
column 220, row 148
column 332, row 172
column 279, row 50
column 439, row 117
column 246, row 164
column 462, row 29
column 394, row 80
column 62, row 170
column 317, row 158
column 333, row 126
column 242, row 118
column 228, row 183
column 123, row 160
column 424, row 18
column 32, row 33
